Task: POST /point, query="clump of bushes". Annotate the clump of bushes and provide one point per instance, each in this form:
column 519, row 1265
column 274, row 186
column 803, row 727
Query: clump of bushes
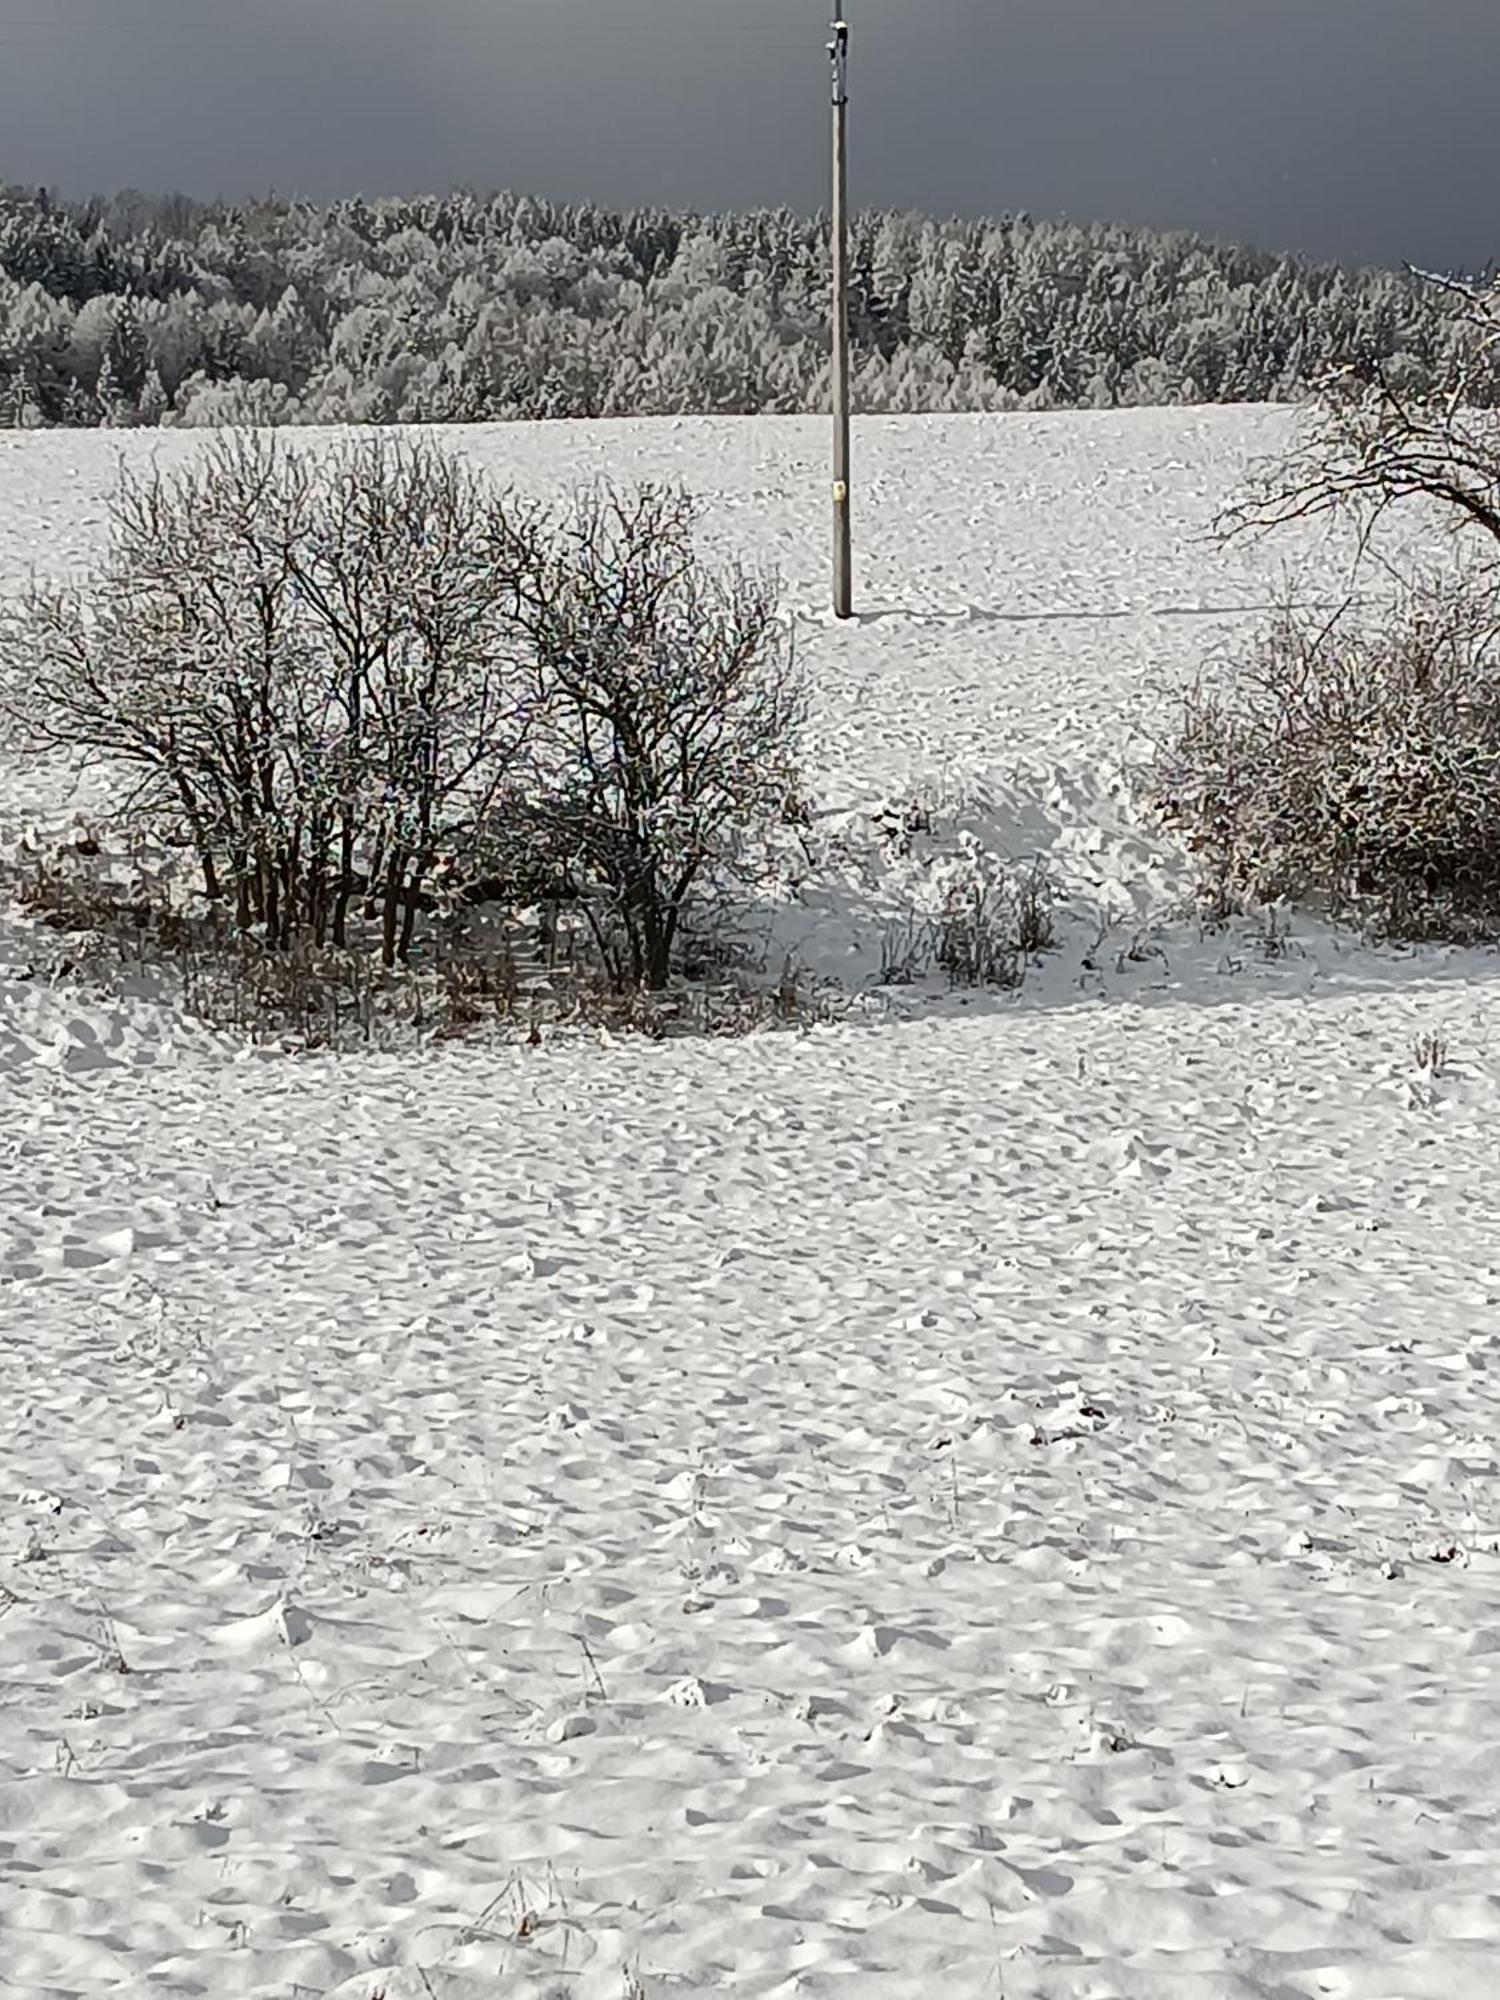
column 365, row 691
column 1353, row 765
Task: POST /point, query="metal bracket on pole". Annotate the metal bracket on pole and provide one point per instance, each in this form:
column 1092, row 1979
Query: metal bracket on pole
column 838, row 51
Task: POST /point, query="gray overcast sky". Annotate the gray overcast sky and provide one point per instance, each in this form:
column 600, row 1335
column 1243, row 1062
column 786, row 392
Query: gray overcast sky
column 1360, row 129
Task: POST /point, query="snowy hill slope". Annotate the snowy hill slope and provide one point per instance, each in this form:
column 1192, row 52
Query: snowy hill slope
column 1002, row 1497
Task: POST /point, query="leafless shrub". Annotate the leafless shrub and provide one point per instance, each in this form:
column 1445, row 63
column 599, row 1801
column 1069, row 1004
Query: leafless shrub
column 1035, row 927
column 304, row 666
column 1353, row 764
column 478, row 990
column 315, row 996
column 669, row 707
column 993, row 920
column 82, row 906
column 726, row 1008
column 906, row 950
column 973, row 939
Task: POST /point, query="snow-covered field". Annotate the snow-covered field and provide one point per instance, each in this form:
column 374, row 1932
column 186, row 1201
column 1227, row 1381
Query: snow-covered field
column 992, row 1501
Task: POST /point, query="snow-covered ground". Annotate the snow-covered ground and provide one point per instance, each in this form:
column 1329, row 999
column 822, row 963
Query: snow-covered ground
column 997, row 1501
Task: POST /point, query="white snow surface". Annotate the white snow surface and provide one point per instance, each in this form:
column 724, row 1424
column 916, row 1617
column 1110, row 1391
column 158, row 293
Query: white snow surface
column 993, row 1501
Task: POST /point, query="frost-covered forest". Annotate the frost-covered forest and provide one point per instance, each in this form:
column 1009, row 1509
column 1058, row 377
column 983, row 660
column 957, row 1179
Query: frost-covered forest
column 144, row 310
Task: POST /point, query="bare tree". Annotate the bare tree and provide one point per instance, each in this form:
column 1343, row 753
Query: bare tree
column 1375, row 442
column 669, row 707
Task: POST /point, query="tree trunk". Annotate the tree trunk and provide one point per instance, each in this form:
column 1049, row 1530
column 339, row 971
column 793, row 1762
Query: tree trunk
column 390, row 913
column 412, row 899
column 270, row 902
column 660, row 929
column 346, row 881
column 244, row 913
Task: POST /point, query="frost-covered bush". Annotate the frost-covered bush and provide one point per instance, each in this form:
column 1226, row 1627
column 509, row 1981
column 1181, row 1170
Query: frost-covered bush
column 359, row 685
column 669, row 708
column 1356, row 763
column 1355, row 766
column 305, row 670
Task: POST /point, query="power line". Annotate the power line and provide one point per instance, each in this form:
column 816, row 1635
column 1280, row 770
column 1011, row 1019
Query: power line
column 48, row 29
column 44, row 34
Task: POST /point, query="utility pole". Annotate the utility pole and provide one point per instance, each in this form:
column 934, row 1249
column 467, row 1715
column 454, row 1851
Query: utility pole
column 838, row 49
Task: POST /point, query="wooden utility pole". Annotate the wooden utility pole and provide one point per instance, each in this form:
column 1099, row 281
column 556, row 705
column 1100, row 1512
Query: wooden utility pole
column 838, row 49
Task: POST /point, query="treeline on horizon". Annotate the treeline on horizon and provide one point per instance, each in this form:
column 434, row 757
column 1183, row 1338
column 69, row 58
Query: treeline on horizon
column 136, row 309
